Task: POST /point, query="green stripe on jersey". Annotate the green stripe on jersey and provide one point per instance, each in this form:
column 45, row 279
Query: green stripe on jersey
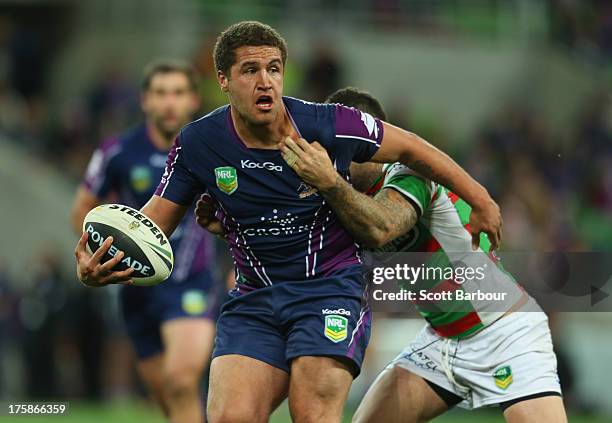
column 412, row 187
column 464, row 211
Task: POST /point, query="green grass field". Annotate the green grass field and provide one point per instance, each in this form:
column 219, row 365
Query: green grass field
column 142, row 412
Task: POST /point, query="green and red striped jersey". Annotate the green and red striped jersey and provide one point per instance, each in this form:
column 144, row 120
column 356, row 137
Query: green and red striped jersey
column 443, row 230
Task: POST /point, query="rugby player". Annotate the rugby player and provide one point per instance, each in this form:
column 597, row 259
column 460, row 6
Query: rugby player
column 471, row 353
column 296, row 325
column 172, row 325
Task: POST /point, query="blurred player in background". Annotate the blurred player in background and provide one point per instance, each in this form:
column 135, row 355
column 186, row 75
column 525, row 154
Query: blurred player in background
column 296, row 324
column 472, row 353
column 171, row 325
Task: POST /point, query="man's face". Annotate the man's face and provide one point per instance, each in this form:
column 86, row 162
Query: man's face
column 170, row 102
column 255, row 84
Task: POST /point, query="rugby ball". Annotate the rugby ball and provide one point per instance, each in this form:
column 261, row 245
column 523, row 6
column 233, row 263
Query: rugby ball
column 146, row 248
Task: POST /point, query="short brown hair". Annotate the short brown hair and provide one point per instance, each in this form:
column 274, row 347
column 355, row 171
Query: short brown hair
column 169, row 66
column 246, row 33
column 362, row 100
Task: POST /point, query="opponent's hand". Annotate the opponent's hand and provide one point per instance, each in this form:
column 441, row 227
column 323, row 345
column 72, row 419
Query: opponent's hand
column 486, row 218
column 92, row 273
column 310, row 161
column 205, row 216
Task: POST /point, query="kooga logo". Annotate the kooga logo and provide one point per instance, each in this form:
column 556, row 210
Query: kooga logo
column 248, row 164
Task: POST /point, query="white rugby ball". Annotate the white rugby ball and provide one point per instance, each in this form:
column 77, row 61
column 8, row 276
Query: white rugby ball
column 146, row 248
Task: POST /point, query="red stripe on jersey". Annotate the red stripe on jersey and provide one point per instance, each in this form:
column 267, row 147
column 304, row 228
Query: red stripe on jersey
column 376, row 187
column 434, row 197
column 432, row 245
column 453, row 197
column 458, row 326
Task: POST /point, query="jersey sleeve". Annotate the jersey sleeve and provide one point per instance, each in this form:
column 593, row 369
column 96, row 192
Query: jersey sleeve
column 102, row 174
column 178, row 183
column 358, row 132
column 411, row 185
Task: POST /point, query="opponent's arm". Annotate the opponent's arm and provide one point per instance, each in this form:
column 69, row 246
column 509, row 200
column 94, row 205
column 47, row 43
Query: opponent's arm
column 371, row 221
column 402, row 146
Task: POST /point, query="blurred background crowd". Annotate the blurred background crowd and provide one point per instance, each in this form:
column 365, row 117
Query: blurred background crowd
column 518, row 92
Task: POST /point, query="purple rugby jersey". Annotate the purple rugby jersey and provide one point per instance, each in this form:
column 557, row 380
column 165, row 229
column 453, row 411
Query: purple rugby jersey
column 279, row 228
column 127, row 170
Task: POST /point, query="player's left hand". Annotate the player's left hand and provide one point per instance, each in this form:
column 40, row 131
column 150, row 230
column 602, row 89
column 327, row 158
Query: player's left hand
column 310, row 161
column 486, row 218
column 91, row 271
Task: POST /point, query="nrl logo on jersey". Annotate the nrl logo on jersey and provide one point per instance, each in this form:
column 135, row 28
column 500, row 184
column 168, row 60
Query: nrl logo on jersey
column 141, row 178
column 503, row 377
column 194, row 302
column 227, row 179
column 336, row 328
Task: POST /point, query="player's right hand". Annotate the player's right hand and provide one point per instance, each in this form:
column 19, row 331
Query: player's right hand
column 93, row 273
column 486, row 218
column 205, row 216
